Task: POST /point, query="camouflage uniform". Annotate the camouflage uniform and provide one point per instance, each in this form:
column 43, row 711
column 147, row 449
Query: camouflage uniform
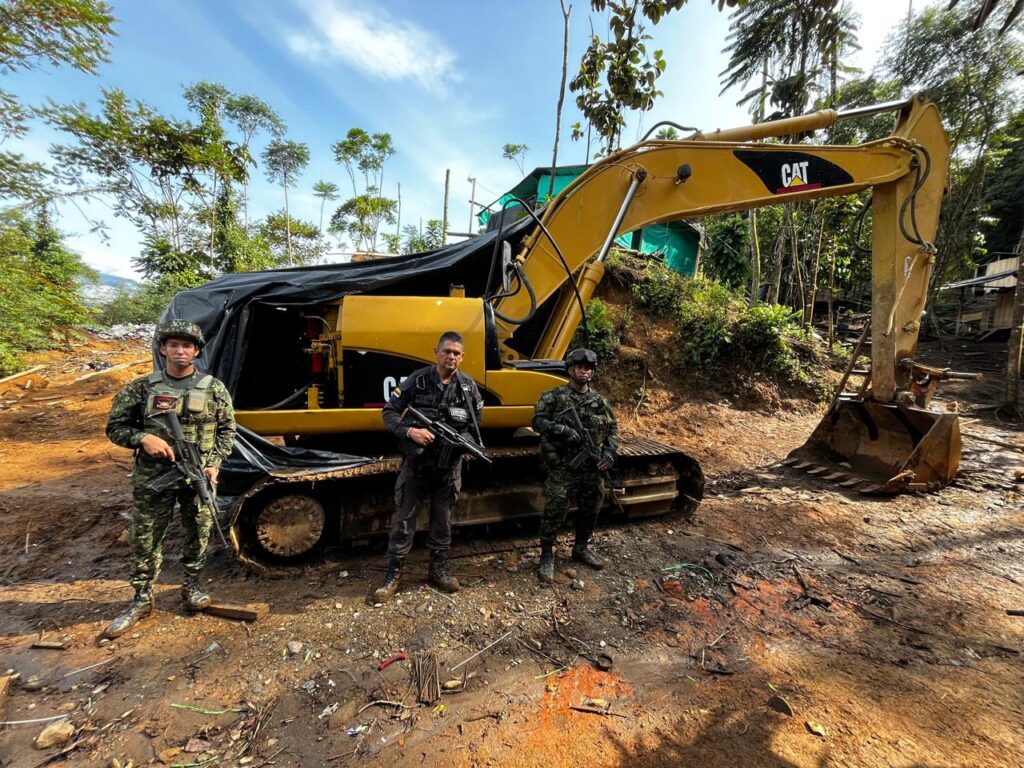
column 208, row 418
column 563, row 485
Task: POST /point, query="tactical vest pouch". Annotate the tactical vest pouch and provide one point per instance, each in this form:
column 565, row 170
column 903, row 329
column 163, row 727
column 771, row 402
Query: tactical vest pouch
column 207, row 436
column 161, row 402
column 198, row 399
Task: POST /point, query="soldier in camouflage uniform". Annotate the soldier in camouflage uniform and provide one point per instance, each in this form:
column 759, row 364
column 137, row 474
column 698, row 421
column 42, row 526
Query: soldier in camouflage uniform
column 207, row 417
column 560, row 442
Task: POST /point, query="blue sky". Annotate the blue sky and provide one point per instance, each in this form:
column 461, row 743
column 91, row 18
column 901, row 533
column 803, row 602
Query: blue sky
column 452, row 82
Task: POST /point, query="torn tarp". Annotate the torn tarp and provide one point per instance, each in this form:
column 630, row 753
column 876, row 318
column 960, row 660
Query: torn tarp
column 223, row 309
column 254, row 457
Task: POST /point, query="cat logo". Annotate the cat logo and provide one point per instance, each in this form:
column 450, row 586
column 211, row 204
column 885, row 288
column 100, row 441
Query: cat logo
column 794, row 177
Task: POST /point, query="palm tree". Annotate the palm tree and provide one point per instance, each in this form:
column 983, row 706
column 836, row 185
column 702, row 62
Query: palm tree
column 325, row 190
column 986, row 9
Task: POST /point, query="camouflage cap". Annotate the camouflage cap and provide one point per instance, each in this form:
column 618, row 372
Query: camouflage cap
column 182, row 329
column 581, row 356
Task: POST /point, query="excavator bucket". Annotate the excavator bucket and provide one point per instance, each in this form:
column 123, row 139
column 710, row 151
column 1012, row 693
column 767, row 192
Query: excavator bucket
column 895, row 447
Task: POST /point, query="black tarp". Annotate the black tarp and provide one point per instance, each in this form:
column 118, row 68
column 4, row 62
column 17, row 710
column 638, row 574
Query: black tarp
column 223, row 309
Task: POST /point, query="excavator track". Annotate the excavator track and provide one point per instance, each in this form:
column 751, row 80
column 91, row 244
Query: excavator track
column 291, row 513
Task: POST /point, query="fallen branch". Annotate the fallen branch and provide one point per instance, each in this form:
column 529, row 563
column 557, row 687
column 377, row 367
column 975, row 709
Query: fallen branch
column 14, row 376
column 593, row 711
column 1000, row 443
column 383, row 703
column 464, row 661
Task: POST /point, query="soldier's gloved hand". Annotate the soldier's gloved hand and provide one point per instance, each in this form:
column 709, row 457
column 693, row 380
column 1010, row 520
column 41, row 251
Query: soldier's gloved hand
column 607, row 461
column 566, row 433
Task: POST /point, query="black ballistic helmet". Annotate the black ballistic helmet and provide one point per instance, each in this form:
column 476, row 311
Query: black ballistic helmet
column 581, row 356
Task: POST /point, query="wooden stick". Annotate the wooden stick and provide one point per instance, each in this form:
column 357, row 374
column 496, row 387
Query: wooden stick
column 383, row 702
column 12, row 377
column 984, row 439
column 464, row 661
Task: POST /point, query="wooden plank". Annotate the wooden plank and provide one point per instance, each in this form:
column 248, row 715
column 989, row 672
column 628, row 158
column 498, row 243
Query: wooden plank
column 5, row 686
column 14, row 376
column 236, row 611
column 832, row 477
column 788, row 461
column 803, row 465
column 850, row 483
column 53, row 645
column 817, row 470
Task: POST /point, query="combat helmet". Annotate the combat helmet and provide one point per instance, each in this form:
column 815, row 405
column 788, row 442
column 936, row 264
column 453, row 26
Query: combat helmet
column 581, row 355
column 182, row 329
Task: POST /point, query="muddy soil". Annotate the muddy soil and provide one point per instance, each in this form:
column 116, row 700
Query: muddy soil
column 789, row 623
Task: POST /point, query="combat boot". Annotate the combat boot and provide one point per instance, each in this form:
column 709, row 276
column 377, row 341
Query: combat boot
column 139, row 608
column 581, row 553
column 193, row 596
column 439, row 573
column 546, row 570
column 391, row 581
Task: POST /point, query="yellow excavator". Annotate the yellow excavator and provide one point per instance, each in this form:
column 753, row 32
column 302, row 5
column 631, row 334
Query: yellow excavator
column 335, row 349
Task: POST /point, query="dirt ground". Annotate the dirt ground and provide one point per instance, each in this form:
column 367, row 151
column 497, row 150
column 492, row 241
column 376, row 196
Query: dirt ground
column 787, row 624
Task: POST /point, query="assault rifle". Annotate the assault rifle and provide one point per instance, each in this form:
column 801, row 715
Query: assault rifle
column 590, row 449
column 454, row 443
column 189, row 464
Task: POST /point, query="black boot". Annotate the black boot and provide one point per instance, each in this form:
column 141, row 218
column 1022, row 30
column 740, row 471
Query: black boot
column 391, row 580
column 192, row 594
column 439, row 573
column 546, row 570
column 581, row 553
column 139, row 608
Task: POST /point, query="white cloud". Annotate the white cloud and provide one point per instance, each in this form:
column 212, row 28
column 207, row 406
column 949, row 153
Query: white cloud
column 375, row 43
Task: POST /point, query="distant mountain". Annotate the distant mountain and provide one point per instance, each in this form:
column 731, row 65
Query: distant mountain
column 106, row 288
column 116, row 282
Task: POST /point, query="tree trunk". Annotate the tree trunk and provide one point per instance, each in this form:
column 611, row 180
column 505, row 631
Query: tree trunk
column 1014, row 349
column 755, row 261
column 287, row 224
column 831, row 295
column 561, row 94
column 798, row 271
column 213, row 216
column 780, row 248
column 323, row 201
column 813, row 294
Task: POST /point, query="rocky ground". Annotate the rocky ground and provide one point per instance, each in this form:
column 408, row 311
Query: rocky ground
column 789, row 623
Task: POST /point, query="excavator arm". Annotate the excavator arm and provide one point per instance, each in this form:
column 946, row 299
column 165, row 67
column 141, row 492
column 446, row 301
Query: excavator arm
column 660, row 181
column 882, row 433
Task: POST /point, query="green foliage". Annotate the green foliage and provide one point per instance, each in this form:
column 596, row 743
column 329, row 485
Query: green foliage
column 659, row 290
column 34, row 33
column 277, row 230
column 1002, row 193
column 361, row 216
column 761, row 334
column 705, row 329
column 602, row 331
column 143, row 305
column 617, row 74
column 728, row 247
column 517, row 154
column 429, row 240
column 40, row 287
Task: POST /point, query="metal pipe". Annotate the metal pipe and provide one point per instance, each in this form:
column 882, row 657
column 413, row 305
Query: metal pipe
column 812, row 121
column 876, row 109
column 638, row 176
